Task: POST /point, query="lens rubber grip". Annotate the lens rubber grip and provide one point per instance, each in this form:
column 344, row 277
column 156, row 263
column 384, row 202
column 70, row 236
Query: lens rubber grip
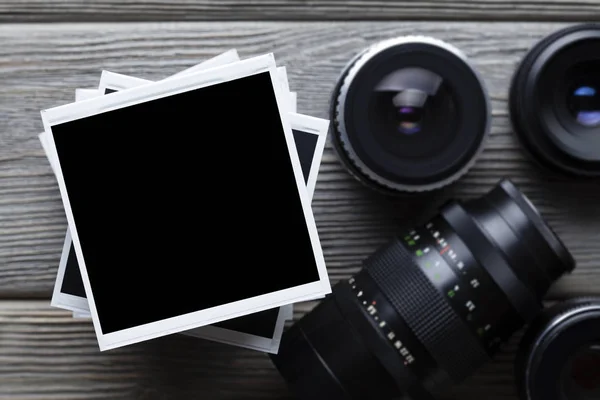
column 426, row 312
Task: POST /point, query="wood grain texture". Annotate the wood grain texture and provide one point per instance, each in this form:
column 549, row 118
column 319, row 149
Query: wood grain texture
column 235, row 10
column 45, row 354
column 41, row 64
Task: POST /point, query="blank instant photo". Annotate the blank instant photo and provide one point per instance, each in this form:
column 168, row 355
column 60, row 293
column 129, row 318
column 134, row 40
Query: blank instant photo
column 260, row 331
column 199, row 240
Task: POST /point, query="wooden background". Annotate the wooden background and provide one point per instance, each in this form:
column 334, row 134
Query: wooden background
column 48, row 48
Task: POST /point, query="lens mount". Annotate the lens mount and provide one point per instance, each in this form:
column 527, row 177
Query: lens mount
column 559, row 355
column 553, row 100
column 409, row 114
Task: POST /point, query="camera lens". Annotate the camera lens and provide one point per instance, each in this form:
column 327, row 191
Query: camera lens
column 409, row 114
column 555, row 103
column 430, row 307
column 559, row 355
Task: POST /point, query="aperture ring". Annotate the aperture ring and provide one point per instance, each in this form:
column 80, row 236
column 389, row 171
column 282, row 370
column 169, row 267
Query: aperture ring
column 426, row 312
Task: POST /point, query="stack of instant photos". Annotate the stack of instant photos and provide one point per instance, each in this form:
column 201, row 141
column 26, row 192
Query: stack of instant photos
column 188, row 204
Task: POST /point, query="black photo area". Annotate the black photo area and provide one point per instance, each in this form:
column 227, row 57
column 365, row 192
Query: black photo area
column 306, row 145
column 185, row 202
column 259, row 324
column 72, row 283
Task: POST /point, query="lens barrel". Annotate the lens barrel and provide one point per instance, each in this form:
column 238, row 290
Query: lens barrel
column 555, row 101
column 409, row 114
column 430, row 307
column 559, row 355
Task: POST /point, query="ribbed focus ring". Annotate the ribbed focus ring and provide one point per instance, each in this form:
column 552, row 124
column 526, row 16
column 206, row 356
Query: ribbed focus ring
column 426, row 312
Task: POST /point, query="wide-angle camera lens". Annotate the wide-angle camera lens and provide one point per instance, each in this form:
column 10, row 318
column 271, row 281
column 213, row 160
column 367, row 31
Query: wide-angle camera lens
column 559, row 355
column 555, row 101
column 430, row 307
column 409, row 114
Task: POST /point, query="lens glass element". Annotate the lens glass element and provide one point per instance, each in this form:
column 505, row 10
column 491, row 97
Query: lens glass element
column 583, row 99
column 413, row 113
column 409, row 119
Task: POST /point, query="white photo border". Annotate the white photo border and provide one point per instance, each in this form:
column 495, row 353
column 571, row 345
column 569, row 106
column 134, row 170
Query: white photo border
column 146, row 93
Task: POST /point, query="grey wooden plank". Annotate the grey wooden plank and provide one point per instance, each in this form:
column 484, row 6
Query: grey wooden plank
column 40, row 64
column 210, row 10
column 45, row 354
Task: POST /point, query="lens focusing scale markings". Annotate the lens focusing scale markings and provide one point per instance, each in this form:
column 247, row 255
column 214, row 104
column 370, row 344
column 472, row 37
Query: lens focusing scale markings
column 370, row 305
column 455, row 273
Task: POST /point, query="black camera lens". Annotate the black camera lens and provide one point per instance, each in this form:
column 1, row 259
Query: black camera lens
column 559, row 355
column 430, row 307
column 409, row 114
column 555, row 103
